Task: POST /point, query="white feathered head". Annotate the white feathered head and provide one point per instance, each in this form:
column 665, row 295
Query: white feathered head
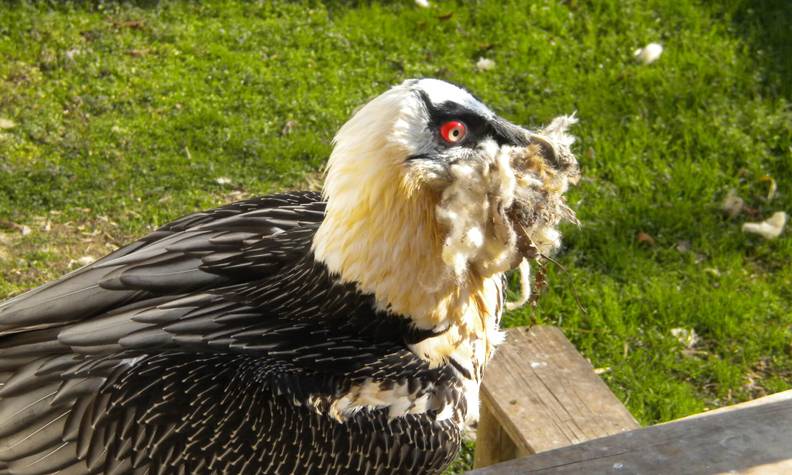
column 426, row 181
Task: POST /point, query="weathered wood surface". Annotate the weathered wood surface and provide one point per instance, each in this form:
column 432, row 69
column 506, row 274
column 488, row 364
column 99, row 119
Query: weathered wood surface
column 755, row 438
column 493, row 444
column 539, row 394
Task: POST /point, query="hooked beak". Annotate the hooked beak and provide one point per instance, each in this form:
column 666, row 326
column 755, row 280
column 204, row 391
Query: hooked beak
column 555, row 152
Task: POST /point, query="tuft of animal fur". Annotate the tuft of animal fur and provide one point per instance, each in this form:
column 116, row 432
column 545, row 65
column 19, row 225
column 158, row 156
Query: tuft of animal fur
column 503, row 206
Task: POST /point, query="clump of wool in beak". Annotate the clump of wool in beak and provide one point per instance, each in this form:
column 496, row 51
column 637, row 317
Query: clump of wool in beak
column 503, row 204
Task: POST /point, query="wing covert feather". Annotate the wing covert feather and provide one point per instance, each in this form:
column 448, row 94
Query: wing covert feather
column 167, row 261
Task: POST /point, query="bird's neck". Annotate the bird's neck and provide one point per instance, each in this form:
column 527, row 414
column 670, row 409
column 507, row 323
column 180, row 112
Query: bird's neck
column 391, row 247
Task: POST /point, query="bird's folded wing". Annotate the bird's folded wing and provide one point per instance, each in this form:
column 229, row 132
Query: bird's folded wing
column 230, row 284
column 171, row 260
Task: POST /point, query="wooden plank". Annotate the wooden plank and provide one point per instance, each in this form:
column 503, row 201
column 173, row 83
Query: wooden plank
column 753, row 439
column 493, row 444
column 545, row 395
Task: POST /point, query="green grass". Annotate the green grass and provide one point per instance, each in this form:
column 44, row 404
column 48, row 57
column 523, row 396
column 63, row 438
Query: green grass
column 130, row 112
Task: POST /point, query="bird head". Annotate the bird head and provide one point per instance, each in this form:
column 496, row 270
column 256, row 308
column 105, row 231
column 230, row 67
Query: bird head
column 427, row 189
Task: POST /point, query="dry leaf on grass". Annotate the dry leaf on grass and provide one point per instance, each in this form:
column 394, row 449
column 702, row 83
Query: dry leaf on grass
column 288, row 127
column 772, row 187
column 645, row 238
column 732, row 204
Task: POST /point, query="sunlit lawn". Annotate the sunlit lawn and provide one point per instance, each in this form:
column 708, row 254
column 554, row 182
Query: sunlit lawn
column 124, row 117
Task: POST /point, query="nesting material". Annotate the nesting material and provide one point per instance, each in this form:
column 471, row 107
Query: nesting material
column 479, row 189
column 485, row 64
column 686, row 336
column 82, row 261
column 502, row 207
column 649, row 53
column 770, row 228
column 525, row 286
column 85, row 260
column 543, row 170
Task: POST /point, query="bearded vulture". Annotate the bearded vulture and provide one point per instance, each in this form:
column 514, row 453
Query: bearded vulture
column 334, row 333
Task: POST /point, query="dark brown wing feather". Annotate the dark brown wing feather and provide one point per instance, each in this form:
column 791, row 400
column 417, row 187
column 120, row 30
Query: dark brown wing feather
column 196, row 350
column 170, row 259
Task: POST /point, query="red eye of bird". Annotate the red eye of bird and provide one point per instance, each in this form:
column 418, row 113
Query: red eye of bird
column 453, row 131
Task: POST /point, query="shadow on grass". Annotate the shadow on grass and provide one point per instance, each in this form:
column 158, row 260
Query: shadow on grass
column 767, row 26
